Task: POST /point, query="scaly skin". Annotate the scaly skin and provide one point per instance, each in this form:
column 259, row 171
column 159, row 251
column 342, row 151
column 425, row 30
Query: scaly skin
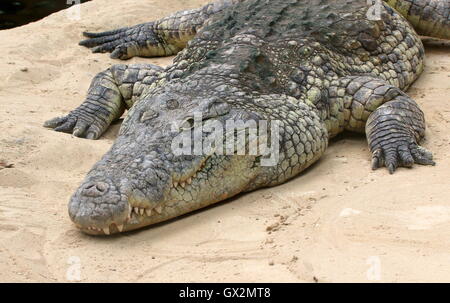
column 429, row 17
column 318, row 67
column 164, row 37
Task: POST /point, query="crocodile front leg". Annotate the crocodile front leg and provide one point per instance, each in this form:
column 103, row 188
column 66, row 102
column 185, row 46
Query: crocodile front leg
column 164, row 37
column 392, row 121
column 393, row 132
column 110, row 93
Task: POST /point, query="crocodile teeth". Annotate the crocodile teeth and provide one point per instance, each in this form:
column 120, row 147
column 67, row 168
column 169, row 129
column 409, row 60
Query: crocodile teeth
column 130, row 210
column 189, row 181
column 175, row 184
column 148, row 212
column 106, row 230
column 120, row 227
column 158, row 209
column 183, row 184
column 136, row 210
column 141, row 211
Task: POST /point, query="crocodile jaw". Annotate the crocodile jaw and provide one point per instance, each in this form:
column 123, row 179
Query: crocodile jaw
column 113, row 208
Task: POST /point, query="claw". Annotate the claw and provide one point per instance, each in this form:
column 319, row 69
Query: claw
column 90, row 136
column 79, row 129
column 121, row 51
column 377, row 159
column 67, row 127
column 404, row 155
column 102, row 34
column 117, row 53
column 391, row 167
column 422, row 156
column 122, row 43
column 99, row 41
column 55, row 122
column 99, row 49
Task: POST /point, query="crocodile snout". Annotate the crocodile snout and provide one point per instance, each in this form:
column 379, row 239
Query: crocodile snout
column 98, row 205
column 95, row 189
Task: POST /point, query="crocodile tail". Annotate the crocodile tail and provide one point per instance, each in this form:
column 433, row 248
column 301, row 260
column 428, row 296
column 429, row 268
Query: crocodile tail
column 428, row 17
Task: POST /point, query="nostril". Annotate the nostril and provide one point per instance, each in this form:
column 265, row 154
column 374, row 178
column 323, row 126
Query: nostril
column 101, row 187
column 95, row 189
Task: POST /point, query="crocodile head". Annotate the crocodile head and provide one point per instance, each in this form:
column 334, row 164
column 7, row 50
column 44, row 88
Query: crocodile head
column 157, row 170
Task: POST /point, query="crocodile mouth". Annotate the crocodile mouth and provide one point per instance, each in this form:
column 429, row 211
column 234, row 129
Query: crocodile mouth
column 138, row 214
column 190, row 178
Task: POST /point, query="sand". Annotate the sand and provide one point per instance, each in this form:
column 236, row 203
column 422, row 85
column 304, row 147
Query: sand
column 338, row 221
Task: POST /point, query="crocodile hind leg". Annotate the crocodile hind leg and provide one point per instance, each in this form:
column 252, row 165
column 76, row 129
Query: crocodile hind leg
column 163, row 37
column 428, row 17
column 110, row 93
column 392, row 121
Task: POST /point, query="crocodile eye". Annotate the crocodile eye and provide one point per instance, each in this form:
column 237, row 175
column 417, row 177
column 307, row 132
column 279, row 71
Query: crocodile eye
column 187, row 124
column 218, row 108
column 148, row 115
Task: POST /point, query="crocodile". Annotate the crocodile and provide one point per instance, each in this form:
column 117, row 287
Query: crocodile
column 314, row 68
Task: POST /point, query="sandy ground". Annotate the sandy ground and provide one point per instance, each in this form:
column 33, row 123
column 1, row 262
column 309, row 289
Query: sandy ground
column 338, row 221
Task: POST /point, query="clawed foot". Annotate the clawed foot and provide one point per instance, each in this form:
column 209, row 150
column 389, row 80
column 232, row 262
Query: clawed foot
column 79, row 125
column 122, row 43
column 395, row 154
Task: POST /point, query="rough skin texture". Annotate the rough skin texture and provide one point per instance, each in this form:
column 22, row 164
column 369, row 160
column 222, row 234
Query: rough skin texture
column 319, row 67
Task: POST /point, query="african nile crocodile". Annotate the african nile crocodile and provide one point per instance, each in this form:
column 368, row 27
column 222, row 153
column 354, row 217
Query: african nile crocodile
column 316, row 67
